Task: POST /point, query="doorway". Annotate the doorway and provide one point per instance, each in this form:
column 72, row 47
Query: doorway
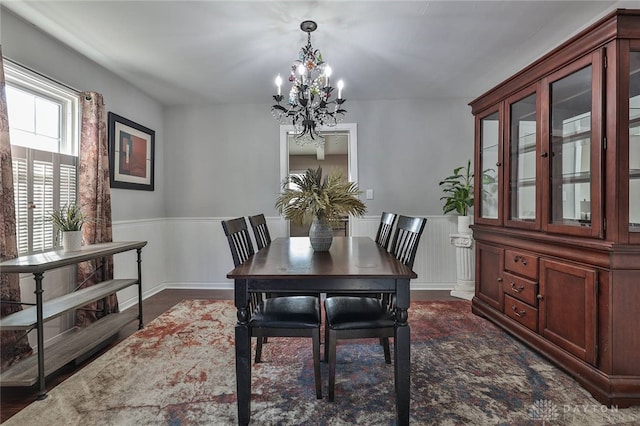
column 339, row 153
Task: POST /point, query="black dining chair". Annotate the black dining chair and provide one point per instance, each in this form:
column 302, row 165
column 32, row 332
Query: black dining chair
column 352, row 317
column 287, row 316
column 260, row 230
column 383, row 238
column 263, row 239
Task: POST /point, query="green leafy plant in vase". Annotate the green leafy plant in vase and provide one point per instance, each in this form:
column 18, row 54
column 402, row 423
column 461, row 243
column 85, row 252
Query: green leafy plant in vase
column 309, row 196
column 69, row 220
column 458, row 195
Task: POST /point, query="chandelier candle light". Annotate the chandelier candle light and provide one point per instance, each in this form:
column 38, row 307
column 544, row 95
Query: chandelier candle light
column 309, row 104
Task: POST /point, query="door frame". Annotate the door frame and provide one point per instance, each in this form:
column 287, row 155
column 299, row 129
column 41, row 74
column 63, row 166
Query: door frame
column 351, row 128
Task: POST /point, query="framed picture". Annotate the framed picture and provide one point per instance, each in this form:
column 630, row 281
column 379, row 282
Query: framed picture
column 131, row 151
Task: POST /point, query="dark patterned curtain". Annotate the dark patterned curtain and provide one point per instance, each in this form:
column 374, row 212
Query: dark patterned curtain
column 13, row 344
column 95, row 199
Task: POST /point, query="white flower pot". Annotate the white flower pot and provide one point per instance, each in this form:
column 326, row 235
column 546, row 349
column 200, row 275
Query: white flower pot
column 71, row 240
column 463, row 224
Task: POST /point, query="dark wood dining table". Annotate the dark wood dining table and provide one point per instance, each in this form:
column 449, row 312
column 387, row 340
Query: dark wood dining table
column 353, row 264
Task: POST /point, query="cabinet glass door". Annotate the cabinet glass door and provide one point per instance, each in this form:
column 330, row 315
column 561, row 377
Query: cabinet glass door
column 570, row 144
column 489, row 159
column 522, row 160
column 634, row 143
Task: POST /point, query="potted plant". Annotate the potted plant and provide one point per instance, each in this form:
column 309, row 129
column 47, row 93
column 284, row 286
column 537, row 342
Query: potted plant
column 458, row 195
column 69, row 220
column 309, row 196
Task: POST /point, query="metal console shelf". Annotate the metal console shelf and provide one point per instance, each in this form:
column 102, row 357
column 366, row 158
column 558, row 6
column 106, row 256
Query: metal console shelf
column 33, row 369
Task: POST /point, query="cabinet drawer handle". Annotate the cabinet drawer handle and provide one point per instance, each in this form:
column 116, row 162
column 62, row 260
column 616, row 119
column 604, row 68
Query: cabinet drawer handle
column 518, row 313
column 500, row 280
column 544, row 154
column 516, row 289
column 521, row 259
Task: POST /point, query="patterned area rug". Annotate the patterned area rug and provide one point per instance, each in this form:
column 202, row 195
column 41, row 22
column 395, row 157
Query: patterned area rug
column 180, row 370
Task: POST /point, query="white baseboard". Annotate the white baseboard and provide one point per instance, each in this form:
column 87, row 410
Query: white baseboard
column 200, row 286
column 132, row 301
column 124, row 304
column 431, row 286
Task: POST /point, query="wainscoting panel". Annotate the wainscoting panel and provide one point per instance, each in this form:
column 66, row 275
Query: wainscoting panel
column 435, row 261
column 197, row 254
column 193, row 253
column 154, row 265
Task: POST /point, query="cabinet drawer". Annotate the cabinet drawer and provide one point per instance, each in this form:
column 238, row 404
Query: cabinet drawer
column 521, row 312
column 521, row 288
column 525, row 264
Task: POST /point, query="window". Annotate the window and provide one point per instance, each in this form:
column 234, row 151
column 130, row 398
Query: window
column 43, row 125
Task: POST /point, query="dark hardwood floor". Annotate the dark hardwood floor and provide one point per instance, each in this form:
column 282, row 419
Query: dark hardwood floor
column 14, row 399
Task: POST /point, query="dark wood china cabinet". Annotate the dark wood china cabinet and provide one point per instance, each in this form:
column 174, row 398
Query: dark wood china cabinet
column 557, row 215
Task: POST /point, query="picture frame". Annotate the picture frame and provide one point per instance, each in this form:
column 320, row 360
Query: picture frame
column 131, row 154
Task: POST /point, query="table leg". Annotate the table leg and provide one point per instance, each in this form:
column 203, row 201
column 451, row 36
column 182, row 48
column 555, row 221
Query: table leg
column 42, row 392
column 139, row 257
column 402, row 355
column 243, row 373
column 243, row 354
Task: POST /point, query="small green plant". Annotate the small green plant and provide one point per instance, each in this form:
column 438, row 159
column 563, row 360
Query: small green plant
column 308, row 195
column 68, row 218
column 458, row 190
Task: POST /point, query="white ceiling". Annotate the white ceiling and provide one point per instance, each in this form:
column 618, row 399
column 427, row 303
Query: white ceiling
column 191, row 52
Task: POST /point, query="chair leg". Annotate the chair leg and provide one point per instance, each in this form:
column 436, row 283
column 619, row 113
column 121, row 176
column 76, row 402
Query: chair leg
column 331, row 344
column 258, row 349
column 326, row 340
column 387, row 351
column 316, row 361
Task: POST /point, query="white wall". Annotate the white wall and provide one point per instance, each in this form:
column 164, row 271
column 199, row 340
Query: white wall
column 406, row 147
column 24, row 44
column 223, row 159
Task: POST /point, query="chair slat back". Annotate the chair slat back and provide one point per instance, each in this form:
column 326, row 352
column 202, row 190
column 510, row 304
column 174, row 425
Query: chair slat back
column 260, row 230
column 406, row 238
column 239, row 240
column 383, row 237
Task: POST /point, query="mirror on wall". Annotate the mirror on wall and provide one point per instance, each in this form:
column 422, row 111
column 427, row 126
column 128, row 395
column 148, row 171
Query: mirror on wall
column 338, row 153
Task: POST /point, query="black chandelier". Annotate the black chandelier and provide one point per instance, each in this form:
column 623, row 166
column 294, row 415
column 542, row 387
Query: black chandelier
column 309, row 104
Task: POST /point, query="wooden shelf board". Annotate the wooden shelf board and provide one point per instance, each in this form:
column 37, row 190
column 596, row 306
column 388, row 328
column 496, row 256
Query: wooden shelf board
column 25, row 372
column 46, row 261
column 26, row 319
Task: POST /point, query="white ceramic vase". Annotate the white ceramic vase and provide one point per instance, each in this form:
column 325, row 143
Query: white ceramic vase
column 71, row 240
column 463, row 224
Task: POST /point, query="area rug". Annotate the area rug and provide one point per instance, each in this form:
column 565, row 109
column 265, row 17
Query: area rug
column 180, row 370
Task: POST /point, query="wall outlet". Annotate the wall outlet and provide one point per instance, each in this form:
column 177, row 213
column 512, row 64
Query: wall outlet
column 369, row 194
